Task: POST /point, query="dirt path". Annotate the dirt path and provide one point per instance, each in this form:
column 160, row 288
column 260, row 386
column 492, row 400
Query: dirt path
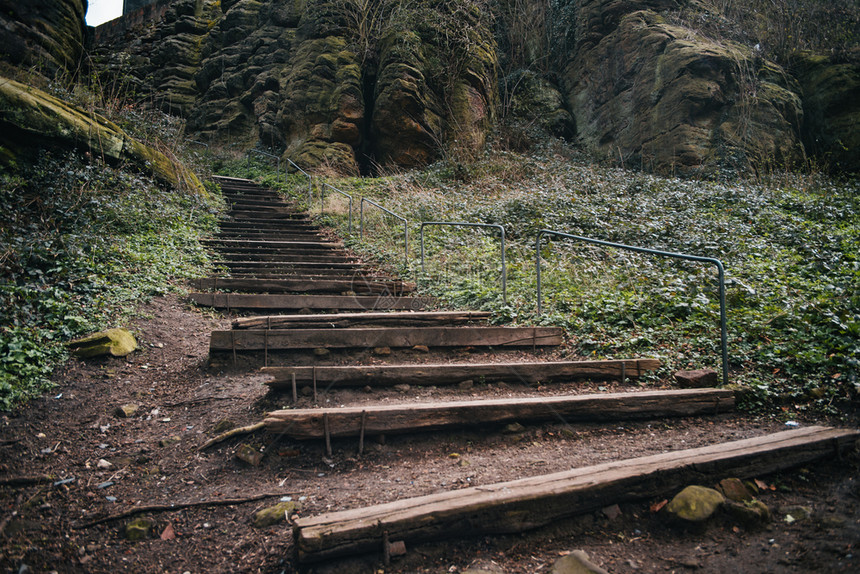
column 102, row 465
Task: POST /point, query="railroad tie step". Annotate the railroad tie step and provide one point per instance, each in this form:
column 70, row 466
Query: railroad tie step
column 393, row 337
column 528, row 372
column 291, row 302
column 520, row 505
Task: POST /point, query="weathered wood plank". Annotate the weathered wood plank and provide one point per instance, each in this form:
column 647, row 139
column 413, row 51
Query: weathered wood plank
column 259, row 340
column 301, row 285
column 289, row 264
column 450, row 374
column 251, row 243
column 280, row 257
column 418, row 417
column 528, row 503
column 313, row 302
column 351, row 319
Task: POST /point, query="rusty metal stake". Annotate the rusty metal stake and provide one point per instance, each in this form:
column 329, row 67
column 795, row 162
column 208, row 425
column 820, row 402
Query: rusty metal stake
column 327, row 430
column 314, row 371
column 295, row 391
column 361, row 434
column 386, row 549
column 623, row 371
column 233, row 345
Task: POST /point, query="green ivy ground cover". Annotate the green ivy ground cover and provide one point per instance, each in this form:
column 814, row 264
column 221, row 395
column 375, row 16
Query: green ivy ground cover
column 81, row 243
column 790, row 247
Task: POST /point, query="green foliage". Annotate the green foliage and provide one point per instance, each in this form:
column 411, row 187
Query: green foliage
column 790, row 247
column 80, row 244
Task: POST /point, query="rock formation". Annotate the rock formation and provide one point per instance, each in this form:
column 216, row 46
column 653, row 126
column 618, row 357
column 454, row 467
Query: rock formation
column 46, row 36
column 348, row 84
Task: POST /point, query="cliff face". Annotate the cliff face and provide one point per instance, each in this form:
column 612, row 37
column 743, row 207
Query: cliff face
column 352, row 83
column 661, row 96
column 339, row 83
column 46, row 36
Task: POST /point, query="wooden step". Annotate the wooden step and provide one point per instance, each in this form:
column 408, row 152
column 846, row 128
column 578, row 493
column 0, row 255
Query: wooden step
column 395, row 337
column 286, row 259
column 260, row 223
column 288, row 265
column 268, row 215
column 451, row 374
column 529, row 503
column 300, row 285
column 418, row 417
column 258, row 302
column 272, row 244
column 269, row 235
column 341, row 320
column 321, row 274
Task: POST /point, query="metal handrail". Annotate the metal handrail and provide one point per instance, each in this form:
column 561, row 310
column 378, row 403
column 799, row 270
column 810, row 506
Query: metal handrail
column 720, row 272
column 310, row 180
column 343, row 193
column 463, row 224
column 391, row 213
column 267, row 154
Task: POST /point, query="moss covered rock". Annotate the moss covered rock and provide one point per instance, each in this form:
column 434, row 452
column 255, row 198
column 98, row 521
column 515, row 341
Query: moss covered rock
column 113, row 342
column 695, row 503
column 33, row 119
column 662, row 97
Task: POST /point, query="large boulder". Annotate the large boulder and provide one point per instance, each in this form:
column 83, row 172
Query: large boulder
column 660, row 96
column 33, row 119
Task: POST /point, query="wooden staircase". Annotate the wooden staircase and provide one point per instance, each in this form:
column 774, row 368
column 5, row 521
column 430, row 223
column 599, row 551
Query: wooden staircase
column 278, row 261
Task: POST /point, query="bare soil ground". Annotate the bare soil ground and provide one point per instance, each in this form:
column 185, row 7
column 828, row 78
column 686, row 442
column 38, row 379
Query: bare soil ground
column 50, row 525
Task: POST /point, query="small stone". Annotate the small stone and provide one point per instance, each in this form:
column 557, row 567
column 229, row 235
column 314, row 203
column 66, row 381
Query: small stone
column 612, row 512
column 795, row 513
column 382, row 351
column 514, row 428
column 397, row 548
column 320, row 352
column 248, row 454
column 749, row 514
column 169, row 441
column 698, row 379
column 103, row 464
column 114, row 342
column 421, row 349
column 466, row 385
column 734, row 489
column 126, row 411
column 368, row 389
column 223, row 426
column 306, row 391
column 275, row 514
column 577, row 562
column 695, row 503
column 402, row 388
column 138, row 529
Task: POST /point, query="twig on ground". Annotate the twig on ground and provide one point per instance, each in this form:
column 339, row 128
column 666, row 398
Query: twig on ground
column 175, row 506
column 231, row 433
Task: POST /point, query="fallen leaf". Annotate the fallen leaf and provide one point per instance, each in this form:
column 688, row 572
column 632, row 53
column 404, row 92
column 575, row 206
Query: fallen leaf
column 658, row 506
column 168, row 533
